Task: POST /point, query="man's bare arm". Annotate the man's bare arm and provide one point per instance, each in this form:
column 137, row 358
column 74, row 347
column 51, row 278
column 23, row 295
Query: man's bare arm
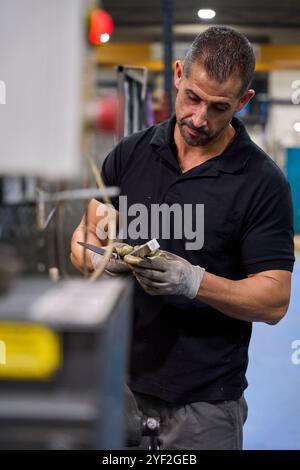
column 261, row 297
column 88, row 225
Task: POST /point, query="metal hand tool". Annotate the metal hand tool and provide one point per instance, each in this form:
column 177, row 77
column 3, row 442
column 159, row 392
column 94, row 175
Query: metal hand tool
column 98, row 249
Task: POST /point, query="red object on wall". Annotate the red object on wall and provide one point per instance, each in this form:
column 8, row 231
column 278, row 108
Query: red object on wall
column 101, row 24
column 108, row 113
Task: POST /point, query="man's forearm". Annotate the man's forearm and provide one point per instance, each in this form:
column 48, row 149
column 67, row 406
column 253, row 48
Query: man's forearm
column 258, row 298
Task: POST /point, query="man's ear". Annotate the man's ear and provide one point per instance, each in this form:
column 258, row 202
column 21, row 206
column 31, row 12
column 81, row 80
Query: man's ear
column 178, row 73
column 244, row 100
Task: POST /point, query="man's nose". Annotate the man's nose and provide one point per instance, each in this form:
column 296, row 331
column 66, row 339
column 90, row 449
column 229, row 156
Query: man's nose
column 200, row 116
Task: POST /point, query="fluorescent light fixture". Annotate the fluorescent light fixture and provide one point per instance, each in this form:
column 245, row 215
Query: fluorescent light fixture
column 297, row 126
column 104, row 37
column 206, row 14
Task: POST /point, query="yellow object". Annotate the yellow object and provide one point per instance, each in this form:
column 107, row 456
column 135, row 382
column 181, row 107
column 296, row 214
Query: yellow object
column 123, row 53
column 269, row 56
column 29, row 351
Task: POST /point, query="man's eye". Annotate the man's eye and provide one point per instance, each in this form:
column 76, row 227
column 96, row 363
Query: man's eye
column 220, row 109
column 193, row 98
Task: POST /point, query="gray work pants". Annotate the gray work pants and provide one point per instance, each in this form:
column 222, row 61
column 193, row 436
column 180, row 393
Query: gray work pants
column 200, row 425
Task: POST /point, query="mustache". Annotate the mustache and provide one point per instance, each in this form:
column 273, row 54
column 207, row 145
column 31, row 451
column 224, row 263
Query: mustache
column 200, row 130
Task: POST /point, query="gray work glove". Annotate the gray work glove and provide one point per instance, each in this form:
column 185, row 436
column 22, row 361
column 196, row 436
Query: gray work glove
column 114, row 266
column 166, row 274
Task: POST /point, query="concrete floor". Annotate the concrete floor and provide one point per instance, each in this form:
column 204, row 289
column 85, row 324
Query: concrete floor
column 273, row 394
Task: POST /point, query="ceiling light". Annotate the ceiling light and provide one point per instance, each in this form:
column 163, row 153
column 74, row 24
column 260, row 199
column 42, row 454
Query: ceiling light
column 206, row 14
column 297, row 126
column 104, row 37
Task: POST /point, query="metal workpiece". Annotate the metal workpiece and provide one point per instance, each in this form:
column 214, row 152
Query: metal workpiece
column 144, row 250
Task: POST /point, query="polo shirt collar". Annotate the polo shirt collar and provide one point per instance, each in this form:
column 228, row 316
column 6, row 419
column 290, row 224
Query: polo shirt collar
column 233, row 159
column 164, row 133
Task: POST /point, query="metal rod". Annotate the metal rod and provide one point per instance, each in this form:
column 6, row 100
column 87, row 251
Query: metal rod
column 167, row 11
column 76, row 194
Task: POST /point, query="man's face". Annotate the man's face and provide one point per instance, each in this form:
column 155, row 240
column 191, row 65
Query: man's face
column 204, row 107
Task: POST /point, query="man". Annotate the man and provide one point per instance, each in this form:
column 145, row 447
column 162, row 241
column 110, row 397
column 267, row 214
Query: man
column 194, row 311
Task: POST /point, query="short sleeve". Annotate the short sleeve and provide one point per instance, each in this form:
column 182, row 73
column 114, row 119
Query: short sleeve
column 267, row 241
column 111, row 172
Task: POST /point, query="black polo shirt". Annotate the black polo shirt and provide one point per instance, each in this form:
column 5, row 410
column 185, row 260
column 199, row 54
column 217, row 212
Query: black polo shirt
column 184, row 350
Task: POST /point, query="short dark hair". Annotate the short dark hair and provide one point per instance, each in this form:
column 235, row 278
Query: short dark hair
column 223, row 52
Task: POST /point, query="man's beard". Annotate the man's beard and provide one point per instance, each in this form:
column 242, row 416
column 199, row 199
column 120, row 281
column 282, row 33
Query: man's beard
column 201, row 138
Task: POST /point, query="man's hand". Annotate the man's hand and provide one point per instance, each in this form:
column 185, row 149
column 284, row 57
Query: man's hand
column 87, row 231
column 166, row 274
column 114, row 266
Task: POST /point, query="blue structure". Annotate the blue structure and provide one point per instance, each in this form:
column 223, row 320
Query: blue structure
column 293, row 175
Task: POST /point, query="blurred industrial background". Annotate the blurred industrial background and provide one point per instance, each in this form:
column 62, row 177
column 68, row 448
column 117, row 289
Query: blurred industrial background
column 75, row 77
